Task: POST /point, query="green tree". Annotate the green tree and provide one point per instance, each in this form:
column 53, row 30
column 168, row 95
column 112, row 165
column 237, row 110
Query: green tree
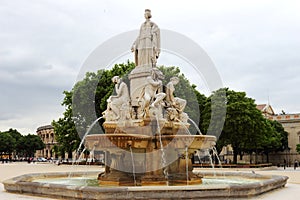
column 7, row 143
column 283, row 135
column 65, row 131
column 244, row 124
column 31, row 143
column 17, row 137
column 298, row 148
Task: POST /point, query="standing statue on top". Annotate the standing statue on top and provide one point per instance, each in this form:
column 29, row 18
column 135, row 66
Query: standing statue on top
column 147, row 45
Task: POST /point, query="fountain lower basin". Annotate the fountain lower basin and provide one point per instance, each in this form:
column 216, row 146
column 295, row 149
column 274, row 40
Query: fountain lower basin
column 252, row 185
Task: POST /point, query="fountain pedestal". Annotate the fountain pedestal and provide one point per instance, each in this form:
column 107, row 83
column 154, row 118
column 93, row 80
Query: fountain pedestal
column 146, row 157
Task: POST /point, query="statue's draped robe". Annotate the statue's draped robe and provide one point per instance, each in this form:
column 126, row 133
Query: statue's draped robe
column 147, row 45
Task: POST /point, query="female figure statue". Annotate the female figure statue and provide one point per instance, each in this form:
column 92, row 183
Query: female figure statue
column 147, row 45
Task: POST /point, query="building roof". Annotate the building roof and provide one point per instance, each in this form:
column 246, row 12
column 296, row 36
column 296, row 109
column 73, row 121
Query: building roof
column 44, row 127
column 266, row 109
column 261, row 106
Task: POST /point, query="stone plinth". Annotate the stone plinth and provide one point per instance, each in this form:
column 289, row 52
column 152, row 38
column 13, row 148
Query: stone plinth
column 138, row 81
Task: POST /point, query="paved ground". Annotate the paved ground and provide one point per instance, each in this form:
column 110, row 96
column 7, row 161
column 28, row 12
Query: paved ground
column 9, row 170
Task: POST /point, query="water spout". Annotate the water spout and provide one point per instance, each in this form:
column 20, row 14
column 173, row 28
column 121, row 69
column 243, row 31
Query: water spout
column 77, row 160
column 86, row 133
column 215, row 153
column 163, row 156
column 92, row 155
column 211, row 160
column 197, row 128
column 187, row 130
column 133, row 166
column 187, row 164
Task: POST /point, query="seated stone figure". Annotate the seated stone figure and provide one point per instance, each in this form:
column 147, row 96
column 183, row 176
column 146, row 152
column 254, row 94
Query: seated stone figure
column 118, row 106
column 175, row 103
column 152, row 93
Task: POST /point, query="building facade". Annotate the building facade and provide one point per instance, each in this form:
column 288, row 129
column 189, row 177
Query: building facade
column 46, row 133
column 291, row 124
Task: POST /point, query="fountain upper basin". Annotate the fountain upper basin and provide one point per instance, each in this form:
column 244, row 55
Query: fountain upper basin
column 124, row 141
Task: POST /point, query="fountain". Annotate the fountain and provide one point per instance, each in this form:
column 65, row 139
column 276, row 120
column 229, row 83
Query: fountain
column 147, row 143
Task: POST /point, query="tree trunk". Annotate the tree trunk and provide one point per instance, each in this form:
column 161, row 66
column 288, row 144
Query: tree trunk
column 235, row 155
column 241, row 156
column 267, row 154
column 70, row 154
column 63, row 155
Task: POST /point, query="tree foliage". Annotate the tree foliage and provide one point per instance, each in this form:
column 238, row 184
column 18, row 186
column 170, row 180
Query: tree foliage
column 64, row 129
column 12, row 141
column 7, row 143
column 298, row 148
column 30, row 143
column 245, row 128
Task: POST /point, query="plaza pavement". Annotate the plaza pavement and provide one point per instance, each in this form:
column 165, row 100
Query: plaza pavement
column 9, row 170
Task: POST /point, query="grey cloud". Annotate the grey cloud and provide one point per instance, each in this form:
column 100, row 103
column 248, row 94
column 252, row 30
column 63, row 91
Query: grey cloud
column 254, row 45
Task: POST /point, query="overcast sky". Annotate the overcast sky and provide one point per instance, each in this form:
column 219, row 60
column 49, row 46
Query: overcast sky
column 255, row 46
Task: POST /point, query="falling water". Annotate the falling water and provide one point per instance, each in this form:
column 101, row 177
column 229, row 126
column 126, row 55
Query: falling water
column 81, row 156
column 163, row 156
column 92, row 155
column 187, row 164
column 199, row 157
column 211, row 160
column 187, row 130
column 76, row 161
column 87, row 132
column 195, row 126
column 133, row 166
column 215, row 153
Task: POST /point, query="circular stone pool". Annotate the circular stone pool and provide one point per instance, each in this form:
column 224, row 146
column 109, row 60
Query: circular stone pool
column 92, row 181
column 216, row 185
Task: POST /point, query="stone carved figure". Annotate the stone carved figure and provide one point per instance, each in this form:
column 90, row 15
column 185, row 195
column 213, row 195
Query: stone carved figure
column 152, row 92
column 175, row 102
column 147, row 45
column 118, row 106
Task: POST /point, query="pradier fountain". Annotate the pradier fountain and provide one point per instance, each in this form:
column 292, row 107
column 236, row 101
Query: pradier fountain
column 147, row 142
column 148, row 124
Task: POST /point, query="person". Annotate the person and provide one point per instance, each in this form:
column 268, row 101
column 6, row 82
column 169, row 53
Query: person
column 116, row 102
column 284, row 164
column 295, row 164
column 171, row 101
column 152, row 93
column 147, row 45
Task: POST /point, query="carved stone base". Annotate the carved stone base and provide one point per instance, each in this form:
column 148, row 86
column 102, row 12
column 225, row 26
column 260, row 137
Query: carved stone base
column 152, row 180
column 116, row 178
column 182, row 179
